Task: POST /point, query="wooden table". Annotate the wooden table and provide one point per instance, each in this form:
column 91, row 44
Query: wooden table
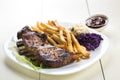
column 15, row 14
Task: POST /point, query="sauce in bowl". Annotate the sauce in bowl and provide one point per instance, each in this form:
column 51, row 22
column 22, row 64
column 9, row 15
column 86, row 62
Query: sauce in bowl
column 97, row 21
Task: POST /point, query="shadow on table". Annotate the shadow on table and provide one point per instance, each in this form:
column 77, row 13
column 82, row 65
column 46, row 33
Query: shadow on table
column 90, row 73
column 21, row 71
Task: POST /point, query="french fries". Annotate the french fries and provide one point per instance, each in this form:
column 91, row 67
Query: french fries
column 57, row 39
column 51, row 41
column 80, row 48
column 61, row 37
column 37, row 29
column 49, row 27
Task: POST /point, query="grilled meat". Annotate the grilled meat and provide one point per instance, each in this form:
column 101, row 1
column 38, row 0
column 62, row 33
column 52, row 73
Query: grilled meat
column 36, row 44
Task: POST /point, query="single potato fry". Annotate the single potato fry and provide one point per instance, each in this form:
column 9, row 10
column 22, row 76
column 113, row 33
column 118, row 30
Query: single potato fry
column 75, row 49
column 69, row 41
column 61, row 35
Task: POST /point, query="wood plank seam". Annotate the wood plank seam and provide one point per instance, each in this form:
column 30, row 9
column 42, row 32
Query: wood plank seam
column 100, row 62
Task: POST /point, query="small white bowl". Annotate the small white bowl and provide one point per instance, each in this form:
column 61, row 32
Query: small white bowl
column 97, row 22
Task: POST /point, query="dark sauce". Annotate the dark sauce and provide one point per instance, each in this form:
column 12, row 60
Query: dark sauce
column 97, row 21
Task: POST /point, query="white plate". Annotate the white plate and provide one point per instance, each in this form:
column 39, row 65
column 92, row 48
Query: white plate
column 68, row 69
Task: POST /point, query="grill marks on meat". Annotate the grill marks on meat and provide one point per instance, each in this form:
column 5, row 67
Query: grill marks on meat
column 36, row 44
column 54, row 58
column 32, row 42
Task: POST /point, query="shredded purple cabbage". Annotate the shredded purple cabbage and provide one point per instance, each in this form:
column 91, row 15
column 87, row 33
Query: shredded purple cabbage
column 89, row 40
